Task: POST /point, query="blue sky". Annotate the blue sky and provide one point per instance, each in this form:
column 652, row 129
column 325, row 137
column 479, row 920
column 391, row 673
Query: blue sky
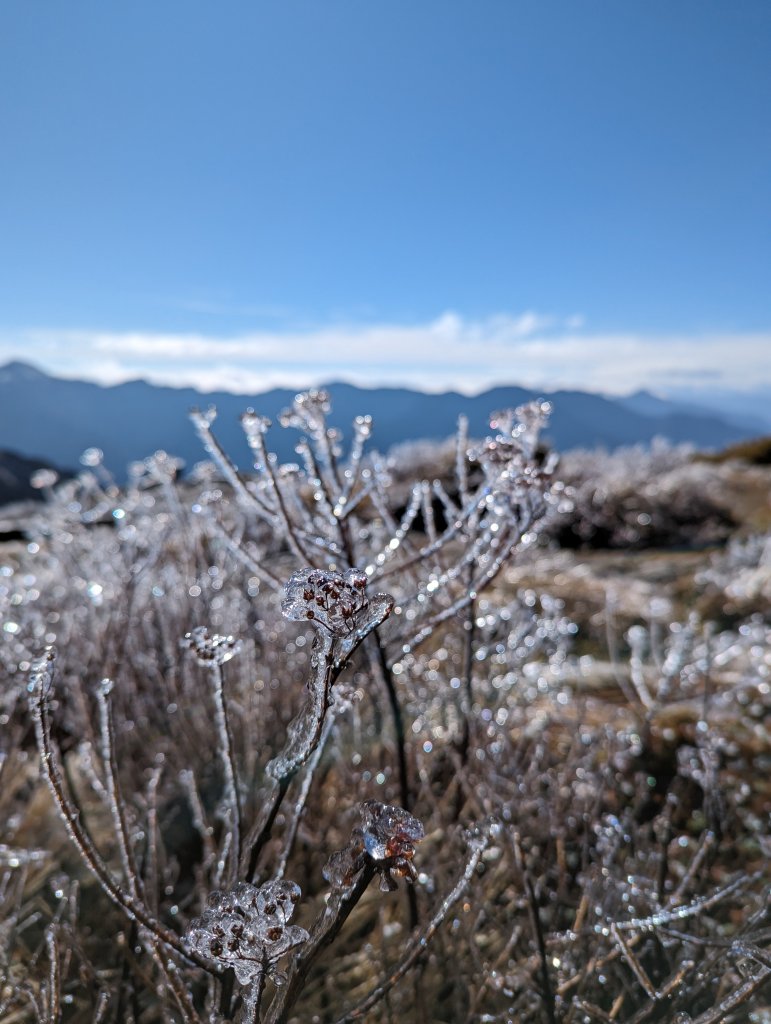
column 444, row 194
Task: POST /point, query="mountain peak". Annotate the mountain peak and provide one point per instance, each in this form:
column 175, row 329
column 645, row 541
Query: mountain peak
column 18, row 370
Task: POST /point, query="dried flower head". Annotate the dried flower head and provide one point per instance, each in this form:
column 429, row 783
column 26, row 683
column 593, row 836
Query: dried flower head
column 43, row 478
column 308, row 412
column 41, row 674
column 253, row 424
column 335, row 600
column 387, row 835
column 247, row 928
column 210, row 648
column 162, row 467
column 516, row 441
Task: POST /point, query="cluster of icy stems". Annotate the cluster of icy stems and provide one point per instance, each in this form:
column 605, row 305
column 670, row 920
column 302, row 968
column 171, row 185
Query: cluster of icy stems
column 161, row 566
column 248, row 929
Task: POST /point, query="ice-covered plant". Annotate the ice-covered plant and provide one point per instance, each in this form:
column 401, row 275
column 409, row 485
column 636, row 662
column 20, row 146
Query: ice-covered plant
column 250, row 662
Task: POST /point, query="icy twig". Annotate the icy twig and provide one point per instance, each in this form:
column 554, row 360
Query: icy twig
column 101, row 1007
column 362, row 429
column 54, row 978
column 302, row 797
column 547, row 993
column 461, row 459
column 246, row 557
column 212, row 651
column 734, row 999
column 254, row 429
column 115, row 798
column 337, row 604
column 667, row 916
column 202, row 422
column 151, row 870
column 324, row 931
column 41, row 680
column 187, row 779
column 482, row 580
column 478, row 844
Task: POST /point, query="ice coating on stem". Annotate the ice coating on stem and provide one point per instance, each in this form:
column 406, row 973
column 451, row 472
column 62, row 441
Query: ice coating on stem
column 337, row 603
column 254, row 425
column 305, row 730
column 255, row 428
column 378, row 610
column 202, row 419
column 247, row 928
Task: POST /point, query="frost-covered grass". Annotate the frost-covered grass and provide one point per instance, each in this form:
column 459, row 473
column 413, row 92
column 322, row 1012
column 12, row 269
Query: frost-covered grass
column 317, row 745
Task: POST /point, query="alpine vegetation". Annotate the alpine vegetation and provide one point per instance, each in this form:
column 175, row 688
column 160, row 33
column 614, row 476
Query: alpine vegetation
column 295, row 745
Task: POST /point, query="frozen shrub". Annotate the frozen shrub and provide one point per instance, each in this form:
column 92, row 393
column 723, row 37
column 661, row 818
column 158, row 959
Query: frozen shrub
column 250, row 665
column 642, row 497
column 742, row 573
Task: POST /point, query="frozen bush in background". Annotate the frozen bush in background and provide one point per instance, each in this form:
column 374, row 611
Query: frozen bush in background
column 742, row 573
column 642, row 497
column 314, row 673
column 632, row 497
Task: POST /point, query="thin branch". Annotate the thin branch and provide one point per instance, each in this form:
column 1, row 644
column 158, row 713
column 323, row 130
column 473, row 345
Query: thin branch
column 419, row 945
column 324, row 931
column 227, row 759
column 70, row 816
column 54, row 978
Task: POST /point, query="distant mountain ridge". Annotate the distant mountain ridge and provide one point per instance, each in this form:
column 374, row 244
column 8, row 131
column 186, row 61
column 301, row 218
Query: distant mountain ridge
column 54, row 419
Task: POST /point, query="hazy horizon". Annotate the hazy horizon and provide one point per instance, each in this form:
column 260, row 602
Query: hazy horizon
column 257, row 384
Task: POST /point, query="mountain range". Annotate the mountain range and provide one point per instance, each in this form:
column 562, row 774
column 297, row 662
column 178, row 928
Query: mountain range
column 55, row 419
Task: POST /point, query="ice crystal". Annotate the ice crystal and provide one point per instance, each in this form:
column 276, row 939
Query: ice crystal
column 211, row 648
column 389, row 831
column 247, row 928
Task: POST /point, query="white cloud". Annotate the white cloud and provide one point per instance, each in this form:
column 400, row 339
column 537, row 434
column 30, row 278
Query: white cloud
column 448, row 352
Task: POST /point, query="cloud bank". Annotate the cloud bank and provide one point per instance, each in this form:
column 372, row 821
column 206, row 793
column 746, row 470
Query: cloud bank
column 449, row 352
